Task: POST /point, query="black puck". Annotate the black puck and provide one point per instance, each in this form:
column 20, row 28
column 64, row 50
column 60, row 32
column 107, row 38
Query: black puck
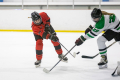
column 77, row 52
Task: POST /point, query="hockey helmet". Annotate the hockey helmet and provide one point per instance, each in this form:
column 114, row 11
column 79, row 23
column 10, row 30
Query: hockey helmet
column 35, row 16
column 96, row 13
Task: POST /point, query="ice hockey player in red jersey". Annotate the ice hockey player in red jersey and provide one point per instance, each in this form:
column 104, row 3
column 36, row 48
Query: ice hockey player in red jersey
column 104, row 21
column 42, row 29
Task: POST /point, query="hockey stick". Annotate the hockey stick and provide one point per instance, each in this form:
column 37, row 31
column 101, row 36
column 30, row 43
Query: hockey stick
column 62, row 45
column 91, row 57
column 67, row 50
column 114, row 71
column 47, row 71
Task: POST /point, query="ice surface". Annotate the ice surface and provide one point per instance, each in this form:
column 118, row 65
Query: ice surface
column 17, row 57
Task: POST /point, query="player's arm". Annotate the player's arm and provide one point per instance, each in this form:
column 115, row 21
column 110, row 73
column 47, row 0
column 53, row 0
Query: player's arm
column 91, row 34
column 88, row 29
column 48, row 27
column 97, row 29
column 44, row 34
column 47, row 35
column 45, row 18
column 40, row 32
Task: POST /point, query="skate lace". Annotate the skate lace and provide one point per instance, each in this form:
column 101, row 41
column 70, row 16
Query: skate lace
column 61, row 56
column 102, row 60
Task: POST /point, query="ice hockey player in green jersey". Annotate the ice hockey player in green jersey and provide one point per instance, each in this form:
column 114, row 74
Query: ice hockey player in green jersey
column 104, row 21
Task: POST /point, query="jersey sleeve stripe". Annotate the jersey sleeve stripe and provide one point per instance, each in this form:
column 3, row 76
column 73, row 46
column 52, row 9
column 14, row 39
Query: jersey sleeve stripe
column 93, row 33
column 89, row 35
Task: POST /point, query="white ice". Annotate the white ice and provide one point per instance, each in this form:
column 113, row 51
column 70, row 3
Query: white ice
column 17, row 57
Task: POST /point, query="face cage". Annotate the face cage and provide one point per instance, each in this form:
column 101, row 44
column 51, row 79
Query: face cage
column 39, row 22
column 96, row 21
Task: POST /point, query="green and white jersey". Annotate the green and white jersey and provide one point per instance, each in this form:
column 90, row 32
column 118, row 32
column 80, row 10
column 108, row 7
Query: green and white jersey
column 106, row 22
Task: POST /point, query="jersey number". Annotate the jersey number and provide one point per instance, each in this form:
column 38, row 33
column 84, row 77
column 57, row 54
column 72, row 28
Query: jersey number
column 95, row 30
column 111, row 18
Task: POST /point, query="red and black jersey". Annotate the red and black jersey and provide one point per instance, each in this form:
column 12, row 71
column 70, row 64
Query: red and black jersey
column 39, row 29
column 39, row 33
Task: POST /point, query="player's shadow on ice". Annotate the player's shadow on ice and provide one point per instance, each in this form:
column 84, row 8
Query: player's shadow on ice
column 66, row 69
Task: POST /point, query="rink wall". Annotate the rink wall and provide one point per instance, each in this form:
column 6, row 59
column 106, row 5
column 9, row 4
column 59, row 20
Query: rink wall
column 61, row 20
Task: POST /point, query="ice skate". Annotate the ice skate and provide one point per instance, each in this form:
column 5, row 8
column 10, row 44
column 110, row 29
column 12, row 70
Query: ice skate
column 103, row 63
column 65, row 59
column 37, row 63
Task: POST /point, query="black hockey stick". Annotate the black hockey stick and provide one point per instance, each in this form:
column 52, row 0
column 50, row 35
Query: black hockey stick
column 91, row 57
column 114, row 71
column 66, row 49
column 62, row 45
column 47, row 71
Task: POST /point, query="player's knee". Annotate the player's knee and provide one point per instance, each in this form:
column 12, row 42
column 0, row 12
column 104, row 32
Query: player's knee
column 101, row 39
column 39, row 44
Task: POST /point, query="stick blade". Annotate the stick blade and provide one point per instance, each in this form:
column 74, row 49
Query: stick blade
column 45, row 70
column 89, row 57
column 74, row 54
column 114, row 71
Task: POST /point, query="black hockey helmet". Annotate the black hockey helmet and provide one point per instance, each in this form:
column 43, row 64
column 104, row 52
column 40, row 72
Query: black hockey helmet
column 96, row 13
column 35, row 16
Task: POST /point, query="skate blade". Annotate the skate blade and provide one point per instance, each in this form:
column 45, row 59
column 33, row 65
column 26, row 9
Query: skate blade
column 74, row 54
column 37, row 65
column 64, row 61
column 103, row 66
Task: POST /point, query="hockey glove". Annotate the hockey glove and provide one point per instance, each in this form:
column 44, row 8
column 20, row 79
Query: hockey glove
column 47, row 28
column 88, row 29
column 80, row 40
column 53, row 38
